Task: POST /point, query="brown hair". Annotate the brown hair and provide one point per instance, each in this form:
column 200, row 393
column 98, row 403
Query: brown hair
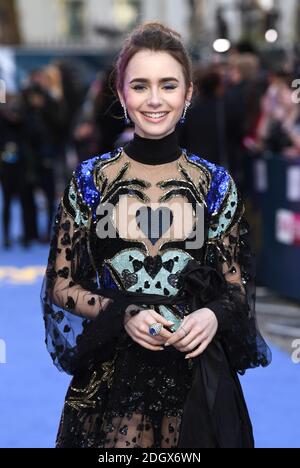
column 153, row 36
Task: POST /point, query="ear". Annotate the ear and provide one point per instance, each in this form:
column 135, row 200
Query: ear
column 189, row 93
column 122, row 101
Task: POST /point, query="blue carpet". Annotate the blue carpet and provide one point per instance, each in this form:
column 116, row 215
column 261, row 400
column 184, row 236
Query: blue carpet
column 272, row 395
column 31, row 389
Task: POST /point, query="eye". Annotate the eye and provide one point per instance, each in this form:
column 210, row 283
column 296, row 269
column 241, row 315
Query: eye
column 138, row 87
column 170, row 86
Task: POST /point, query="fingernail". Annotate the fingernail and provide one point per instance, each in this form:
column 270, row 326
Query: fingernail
column 167, row 344
column 186, row 357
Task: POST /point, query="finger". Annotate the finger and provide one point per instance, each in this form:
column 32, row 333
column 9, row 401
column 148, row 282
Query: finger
column 177, row 336
column 143, row 334
column 160, row 319
column 190, row 347
column 192, row 339
column 199, row 350
column 151, row 347
column 140, row 338
column 143, row 330
column 186, row 339
column 165, row 334
column 155, row 341
column 160, row 338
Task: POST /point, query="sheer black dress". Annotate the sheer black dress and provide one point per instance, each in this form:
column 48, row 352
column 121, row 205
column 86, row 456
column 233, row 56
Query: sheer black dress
column 121, row 394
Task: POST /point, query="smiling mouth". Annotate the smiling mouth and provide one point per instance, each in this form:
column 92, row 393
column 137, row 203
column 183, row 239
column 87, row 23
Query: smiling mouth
column 155, row 115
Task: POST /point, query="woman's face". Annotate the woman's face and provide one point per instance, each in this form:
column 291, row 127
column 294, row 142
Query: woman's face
column 154, row 93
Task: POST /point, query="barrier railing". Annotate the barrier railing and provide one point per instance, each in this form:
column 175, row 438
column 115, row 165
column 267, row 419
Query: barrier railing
column 275, row 190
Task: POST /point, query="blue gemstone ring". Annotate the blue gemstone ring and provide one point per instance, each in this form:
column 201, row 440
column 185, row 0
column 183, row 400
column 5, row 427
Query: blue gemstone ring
column 155, row 329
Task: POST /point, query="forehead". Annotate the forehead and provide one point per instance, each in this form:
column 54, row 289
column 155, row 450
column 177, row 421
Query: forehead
column 153, row 65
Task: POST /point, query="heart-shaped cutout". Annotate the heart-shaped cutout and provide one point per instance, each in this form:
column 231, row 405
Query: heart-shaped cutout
column 154, row 223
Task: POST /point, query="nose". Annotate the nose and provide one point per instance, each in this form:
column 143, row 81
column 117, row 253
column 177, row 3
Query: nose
column 154, row 99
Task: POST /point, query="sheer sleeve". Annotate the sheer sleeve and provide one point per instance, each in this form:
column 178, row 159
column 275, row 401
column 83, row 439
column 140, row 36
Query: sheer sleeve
column 78, row 320
column 229, row 252
column 67, row 291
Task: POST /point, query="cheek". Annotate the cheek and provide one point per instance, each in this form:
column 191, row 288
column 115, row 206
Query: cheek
column 133, row 100
column 180, row 101
column 177, row 102
column 176, row 99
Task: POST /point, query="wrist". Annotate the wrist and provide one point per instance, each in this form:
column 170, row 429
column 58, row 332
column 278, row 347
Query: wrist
column 132, row 310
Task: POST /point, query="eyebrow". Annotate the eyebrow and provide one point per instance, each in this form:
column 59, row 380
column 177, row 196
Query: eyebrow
column 162, row 80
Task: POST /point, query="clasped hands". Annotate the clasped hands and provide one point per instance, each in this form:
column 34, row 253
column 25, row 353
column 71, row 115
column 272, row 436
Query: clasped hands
column 194, row 334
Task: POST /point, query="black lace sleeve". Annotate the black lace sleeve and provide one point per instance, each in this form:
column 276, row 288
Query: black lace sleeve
column 228, row 251
column 78, row 320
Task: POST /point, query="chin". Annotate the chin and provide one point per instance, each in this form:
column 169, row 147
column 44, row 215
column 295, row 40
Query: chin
column 159, row 131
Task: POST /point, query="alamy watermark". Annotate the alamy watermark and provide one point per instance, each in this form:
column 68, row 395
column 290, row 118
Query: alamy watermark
column 2, row 92
column 2, row 352
column 296, row 93
column 296, row 353
column 155, row 221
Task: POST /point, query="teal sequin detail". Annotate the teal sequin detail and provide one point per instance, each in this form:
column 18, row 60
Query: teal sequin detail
column 127, row 268
column 169, row 315
column 225, row 217
column 152, row 275
column 81, row 218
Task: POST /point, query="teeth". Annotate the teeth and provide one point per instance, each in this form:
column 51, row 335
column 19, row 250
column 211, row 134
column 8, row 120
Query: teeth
column 155, row 115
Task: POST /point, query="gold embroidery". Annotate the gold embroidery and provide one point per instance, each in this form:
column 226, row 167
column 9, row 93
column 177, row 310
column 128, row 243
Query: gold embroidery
column 84, row 397
column 203, row 169
column 98, row 173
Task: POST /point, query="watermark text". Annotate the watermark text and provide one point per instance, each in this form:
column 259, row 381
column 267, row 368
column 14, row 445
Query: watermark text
column 2, row 352
column 2, row 92
column 296, row 353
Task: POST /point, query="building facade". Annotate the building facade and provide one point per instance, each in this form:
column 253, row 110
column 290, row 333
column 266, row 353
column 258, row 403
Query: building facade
column 93, row 22
column 104, row 23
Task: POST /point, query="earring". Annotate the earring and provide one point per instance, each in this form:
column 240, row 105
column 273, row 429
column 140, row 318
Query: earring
column 126, row 119
column 187, row 104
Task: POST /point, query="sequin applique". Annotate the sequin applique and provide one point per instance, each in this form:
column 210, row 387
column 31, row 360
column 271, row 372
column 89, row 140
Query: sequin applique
column 153, row 275
column 84, row 396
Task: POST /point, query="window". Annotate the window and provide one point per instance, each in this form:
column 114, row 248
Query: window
column 75, row 18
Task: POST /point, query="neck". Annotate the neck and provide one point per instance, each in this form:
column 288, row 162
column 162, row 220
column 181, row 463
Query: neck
column 153, row 151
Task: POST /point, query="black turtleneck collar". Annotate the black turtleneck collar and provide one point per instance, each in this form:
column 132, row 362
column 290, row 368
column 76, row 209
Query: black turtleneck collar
column 151, row 151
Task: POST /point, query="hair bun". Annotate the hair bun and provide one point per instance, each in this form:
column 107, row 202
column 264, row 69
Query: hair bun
column 157, row 25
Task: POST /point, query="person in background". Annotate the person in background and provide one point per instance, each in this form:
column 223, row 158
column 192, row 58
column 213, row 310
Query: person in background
column 108, row 114
column 279, row 124
column 204, row 131
column 242, row 100
column 100, row 125
column 44, row 111
column 16, row 171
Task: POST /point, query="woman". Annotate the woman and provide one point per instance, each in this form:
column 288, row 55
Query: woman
column 116, row 293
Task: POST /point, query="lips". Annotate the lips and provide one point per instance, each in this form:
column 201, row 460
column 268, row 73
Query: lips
column 155, row 116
